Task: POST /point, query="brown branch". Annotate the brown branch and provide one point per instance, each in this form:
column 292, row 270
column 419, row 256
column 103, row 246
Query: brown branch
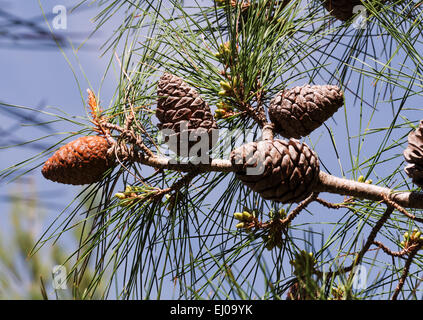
column 327, row 182
column 390, row 252
column 330, row 205
column 131, row 137
column 370, row 240
column 402, row 210
column 294, row 213
column 406, row 270
column 332, row 184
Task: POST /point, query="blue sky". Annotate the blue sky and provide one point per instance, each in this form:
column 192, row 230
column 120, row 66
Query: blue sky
column 38, row 77
column 32, row 77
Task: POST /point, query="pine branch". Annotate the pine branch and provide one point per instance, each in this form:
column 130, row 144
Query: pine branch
column 327, row 183
column 406, row 270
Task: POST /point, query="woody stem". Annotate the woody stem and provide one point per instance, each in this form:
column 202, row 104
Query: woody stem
column 327, row 182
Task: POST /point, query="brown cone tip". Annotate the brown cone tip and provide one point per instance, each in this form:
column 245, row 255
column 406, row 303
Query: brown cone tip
column 341, row 9
column 413, row 154
column 279, row 170
column 181, row 109
column 344, row 9
column 82, row 161
column 299, row 111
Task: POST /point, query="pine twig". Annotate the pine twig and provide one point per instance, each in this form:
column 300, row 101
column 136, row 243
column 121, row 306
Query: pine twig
column 402, row 210
column 329, row 205
column 406, row 270
column 294, row 213
column 370, row 240
column 388, row 251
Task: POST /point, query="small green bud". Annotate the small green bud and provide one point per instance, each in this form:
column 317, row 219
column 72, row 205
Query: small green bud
column 370, row 181
column 240, row 225
column 223, row 93
column 235, row 82
column 406, row 235
column 417, row 235
column 227, row 107
column 128, row 189
column 120, row 195
column 225, row 85
column 219, row 112
column 360, row 179
column 238, row 215
column 246, row 216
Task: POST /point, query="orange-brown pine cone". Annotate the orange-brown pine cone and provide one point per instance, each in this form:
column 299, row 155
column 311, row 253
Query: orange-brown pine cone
column 82, row 161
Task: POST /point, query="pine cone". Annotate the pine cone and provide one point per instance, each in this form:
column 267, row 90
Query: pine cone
column 279, row 170
column 82, row 161
column 413, row 154
column 181, row 109
column 341, row 9
column 300, row 110
column 344, row 9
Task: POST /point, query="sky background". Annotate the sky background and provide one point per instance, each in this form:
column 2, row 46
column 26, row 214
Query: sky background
column 36, row 74
column 43, row 78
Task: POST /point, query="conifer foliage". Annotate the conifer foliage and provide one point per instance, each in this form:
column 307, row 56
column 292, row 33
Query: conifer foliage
column 246, row 80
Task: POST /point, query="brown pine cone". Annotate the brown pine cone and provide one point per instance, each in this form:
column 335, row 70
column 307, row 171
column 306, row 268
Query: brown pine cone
column 82, row 161
column 413, row 154
column 344, row 9
column 300, row 110
column 182, row 110
column 279, row 170
column 341, row 9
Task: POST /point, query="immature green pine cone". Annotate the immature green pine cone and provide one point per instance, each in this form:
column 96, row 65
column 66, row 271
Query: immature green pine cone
column 181, row 109
column 413, row 154
column 81, row 161
column 279, row 170
column 300, row 110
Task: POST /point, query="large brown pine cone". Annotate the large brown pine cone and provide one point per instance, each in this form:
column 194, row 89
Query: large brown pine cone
column 82, row 161
column 182, row 110
column 300, row 110
column 279, row 170
column 413, row 154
